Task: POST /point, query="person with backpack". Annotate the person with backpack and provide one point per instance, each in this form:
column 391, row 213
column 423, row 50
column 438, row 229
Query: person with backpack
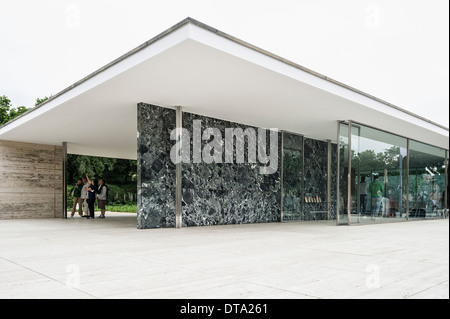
column 92, row 190
column 376, row 190
column 102, row 196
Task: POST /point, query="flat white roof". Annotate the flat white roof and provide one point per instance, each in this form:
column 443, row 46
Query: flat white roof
column 210, row 73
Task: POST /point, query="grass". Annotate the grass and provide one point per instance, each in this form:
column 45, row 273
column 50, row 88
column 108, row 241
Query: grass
column 119, row 208
column 116, row 208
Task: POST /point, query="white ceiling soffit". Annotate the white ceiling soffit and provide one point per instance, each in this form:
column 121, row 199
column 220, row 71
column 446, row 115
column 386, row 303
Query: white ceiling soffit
column 209, row 73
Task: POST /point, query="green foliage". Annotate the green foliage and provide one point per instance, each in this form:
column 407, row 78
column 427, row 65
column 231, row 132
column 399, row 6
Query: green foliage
column 121, row 194
column 117, row 202
column 127, row 208
column 96, row 167
column 7, row 113
column 369, row 160
column 39, row 100
column 124, row 172
column 13, row 113
column 118, row 174
column 114, row 171
column 5, row 105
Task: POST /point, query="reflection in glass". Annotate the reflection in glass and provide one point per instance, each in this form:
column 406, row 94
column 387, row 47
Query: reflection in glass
column 380, row 161
column 377, row 177
column 426, row 181
column 292, row 176
column 343, row 173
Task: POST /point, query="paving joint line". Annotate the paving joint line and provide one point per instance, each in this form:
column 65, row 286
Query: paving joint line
column 286, row 290
column 407, row 297
column 48, row 277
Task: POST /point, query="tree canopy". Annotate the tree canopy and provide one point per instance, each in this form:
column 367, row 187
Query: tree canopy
column 117, row 171
column 7, row 112
column 39, row 100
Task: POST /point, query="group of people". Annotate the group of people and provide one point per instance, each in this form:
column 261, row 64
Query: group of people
column 85, row 192
column 375, row 190
column 383, row 198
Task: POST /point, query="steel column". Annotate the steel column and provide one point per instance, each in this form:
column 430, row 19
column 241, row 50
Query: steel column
column 329, row 181
column 338, row 172
column 349, row 176
column 407, row 179
column 64, row 180
column 179, row 177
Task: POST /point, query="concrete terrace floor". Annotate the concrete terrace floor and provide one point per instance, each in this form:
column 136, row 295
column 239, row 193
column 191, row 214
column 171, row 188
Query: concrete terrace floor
column 110, row 258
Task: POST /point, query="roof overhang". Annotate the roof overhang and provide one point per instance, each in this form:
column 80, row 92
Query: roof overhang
column 209, row 73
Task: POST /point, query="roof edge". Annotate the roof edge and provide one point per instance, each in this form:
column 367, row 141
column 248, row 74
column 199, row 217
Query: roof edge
column 312, row 72
column 238, row 41
column 105, row 67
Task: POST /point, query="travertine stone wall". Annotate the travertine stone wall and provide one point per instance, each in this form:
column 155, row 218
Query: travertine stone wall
column 30, row 180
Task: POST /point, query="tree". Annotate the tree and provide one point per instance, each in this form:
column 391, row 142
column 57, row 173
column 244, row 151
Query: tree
column 5, row 105
column 96, row 167
column 123, row 171
column 13, row 113
column 6, row 112
column 39, row 100
column 115, row 171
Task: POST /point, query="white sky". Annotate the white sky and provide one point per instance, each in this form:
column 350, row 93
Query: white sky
column 397, row 50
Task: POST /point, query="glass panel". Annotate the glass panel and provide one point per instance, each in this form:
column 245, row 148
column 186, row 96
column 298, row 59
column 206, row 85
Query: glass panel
column 355, row 171
column 343, row 173
column 426, row 181
column 292, row 176
column 378, row 160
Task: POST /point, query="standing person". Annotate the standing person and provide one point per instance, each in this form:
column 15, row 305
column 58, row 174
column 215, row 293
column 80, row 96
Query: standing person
column 85, row 196
column 101, row 197
column 386, row 205
column 363, row 195
column 376, row 189
column 76, row 191
column 92, row 190
column 392, row 204
column 446, row 201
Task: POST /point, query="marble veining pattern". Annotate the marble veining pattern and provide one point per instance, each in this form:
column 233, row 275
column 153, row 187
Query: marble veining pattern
column 156, row 172
column 292, row 176
column 316, row 171
column 219, row 194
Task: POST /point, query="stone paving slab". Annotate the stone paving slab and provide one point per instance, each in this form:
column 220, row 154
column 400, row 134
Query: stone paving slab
column 79, row 258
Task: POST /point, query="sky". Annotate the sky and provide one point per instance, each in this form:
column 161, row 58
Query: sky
column 396, row 50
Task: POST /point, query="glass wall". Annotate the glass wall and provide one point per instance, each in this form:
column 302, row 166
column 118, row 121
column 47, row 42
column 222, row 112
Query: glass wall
column 342, row 202
column 379, row 160
column 426, row 181
column 381, row 181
